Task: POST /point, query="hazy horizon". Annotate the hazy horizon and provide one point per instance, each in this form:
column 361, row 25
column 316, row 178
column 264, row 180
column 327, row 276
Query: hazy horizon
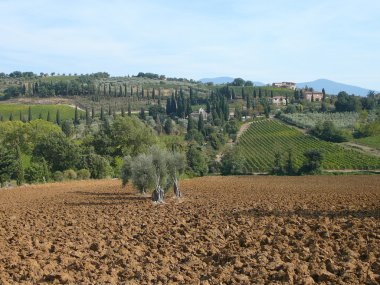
column 267, row 42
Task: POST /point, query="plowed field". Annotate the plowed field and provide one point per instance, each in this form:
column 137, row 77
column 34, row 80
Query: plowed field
column 226, row 230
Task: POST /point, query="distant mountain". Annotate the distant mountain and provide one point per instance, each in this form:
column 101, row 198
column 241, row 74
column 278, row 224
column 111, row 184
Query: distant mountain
column 224, row 80
column 332, row 87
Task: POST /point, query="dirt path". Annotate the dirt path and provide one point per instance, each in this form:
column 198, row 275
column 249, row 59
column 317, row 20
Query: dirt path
column 362, row 148
column 230, row 143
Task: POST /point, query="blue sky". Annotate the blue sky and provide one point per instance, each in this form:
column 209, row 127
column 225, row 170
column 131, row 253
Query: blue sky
column 266, row 41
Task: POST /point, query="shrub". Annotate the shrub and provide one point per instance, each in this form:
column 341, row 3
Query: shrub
column 37, row 172
column 58, row 176
column 313, row 163
column 83, row 174
column 233, row 162
column 70, row 174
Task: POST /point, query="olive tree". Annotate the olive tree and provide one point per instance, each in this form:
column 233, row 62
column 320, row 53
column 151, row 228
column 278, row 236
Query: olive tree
column 160, row 159
column 142, row 172
column 176, row 166
column 157, row 168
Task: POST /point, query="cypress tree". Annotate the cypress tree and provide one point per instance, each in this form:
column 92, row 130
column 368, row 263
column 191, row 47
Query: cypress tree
column 76, row 119
column 58, row 117
column 142, row 114
column 29, row 114
column 120, row 91
column 131, row 91
column 122, row 112
column 200, row 123
column 93, row 113
column 101, row 113
column 254, row 93
column 190, row 124
column 109, row 110
column 188, row 109
column 129, row 110
column 248, row 102
column 168, row 106
column 109, row 90
column 159, row 97
column 48, row 117
column 87, row 117
column 153, row 94
column 125, row 90
column 40, row 116
column 324, row 95
column 20, row 116
column 242, row 93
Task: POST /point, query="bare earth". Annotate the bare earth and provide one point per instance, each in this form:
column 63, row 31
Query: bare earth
column 226, row 230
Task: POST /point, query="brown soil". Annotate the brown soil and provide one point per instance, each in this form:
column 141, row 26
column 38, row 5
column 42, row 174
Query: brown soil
column 226, row 230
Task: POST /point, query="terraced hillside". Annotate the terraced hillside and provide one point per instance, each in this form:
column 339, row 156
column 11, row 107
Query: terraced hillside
column 263, row 138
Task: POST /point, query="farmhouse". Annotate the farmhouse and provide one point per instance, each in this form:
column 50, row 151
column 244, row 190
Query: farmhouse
column 277, row 100
column 287, row 85
column 202, row 111
column 312, row 95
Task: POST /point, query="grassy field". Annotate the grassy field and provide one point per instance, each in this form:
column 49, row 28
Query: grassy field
column 373, row 142
column 263, row 138
column 66, row 112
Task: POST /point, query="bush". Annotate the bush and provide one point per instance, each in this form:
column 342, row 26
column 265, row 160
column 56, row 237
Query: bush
column 313, row 163
column 37, row 172
column 233, row 163
column 58, row 176
column 70, row 174
column 328, row 132
column 126, row 170
column 83, row 174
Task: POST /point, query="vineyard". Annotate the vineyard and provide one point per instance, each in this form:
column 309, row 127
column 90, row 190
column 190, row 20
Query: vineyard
column 263, row 138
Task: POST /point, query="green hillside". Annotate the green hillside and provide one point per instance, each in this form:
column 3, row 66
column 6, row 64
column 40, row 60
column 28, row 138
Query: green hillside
column 263, row 138
column 66, row 112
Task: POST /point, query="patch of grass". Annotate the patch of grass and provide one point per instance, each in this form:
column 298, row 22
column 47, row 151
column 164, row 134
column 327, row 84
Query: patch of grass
column 373, row 142
column 66, row 112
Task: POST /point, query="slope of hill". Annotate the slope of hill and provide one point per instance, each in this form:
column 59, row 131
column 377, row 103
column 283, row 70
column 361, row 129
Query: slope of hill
column 225, row 79
column 332, row 87
column 263, row 138
column 217, row 80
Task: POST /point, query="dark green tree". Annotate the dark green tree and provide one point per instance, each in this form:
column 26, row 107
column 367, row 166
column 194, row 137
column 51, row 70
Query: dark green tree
column 201, row 124
column 58, row 117
column 129, row 110
column 190, row 124
column 142, row 113
column 7, row 164
column 101, row 113
column 168, row 126
column 29, row 114
column 196, row 161
column 76, row 117
column 58, row 151
column 313, row 163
